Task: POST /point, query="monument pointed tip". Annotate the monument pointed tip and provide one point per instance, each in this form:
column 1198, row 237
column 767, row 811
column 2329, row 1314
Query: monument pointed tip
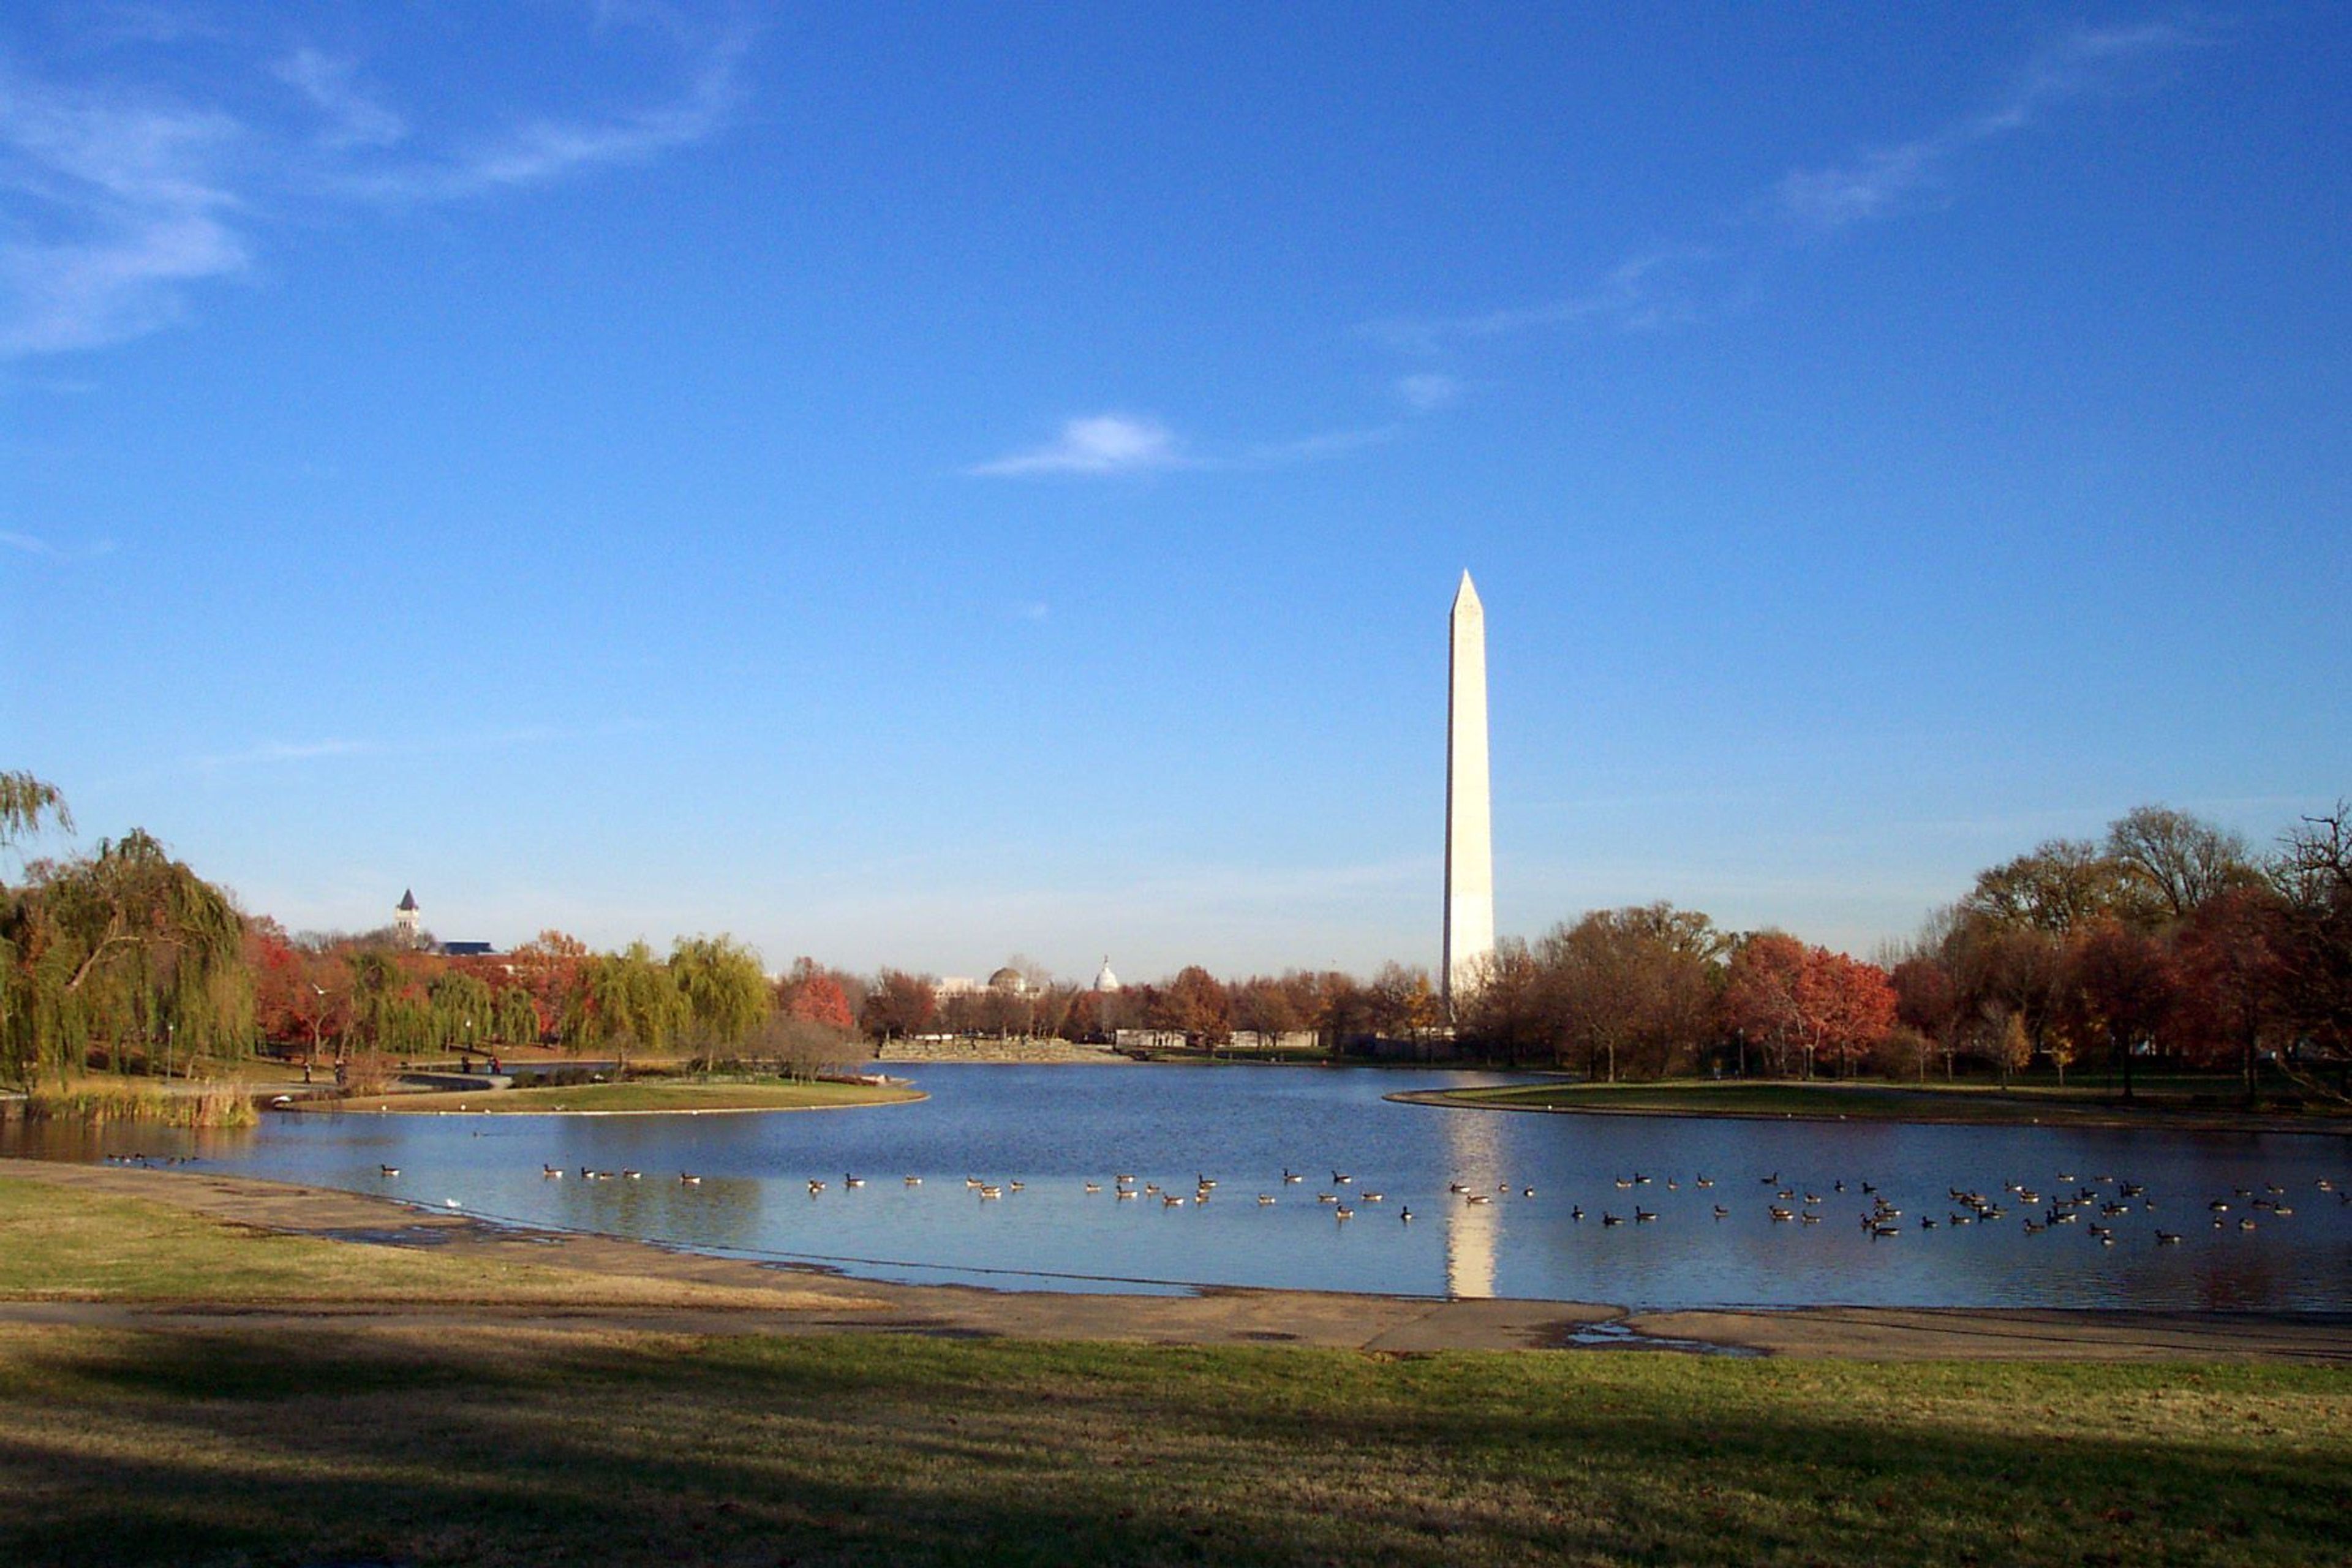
column 1467, row 593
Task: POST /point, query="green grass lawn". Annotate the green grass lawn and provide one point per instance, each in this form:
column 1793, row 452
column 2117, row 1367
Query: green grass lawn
column 130, row 1447
column 480, row 1443
column 637, row 1095
column 62, row 1245
column 2045, row 1103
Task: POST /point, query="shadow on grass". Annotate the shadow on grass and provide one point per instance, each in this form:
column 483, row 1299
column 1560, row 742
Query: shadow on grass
column 492, row 1448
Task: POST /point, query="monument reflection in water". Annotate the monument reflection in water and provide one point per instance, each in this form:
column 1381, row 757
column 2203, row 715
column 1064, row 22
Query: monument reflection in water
column 1054, row 1129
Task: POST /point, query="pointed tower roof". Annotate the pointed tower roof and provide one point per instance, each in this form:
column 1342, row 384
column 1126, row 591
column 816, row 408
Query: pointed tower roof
column 408, row 904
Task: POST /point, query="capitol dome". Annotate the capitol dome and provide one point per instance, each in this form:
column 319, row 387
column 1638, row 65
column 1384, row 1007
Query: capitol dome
column 1104, row 979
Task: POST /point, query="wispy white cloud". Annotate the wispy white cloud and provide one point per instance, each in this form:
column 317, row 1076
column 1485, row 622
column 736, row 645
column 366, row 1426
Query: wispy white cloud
column 271, row 751
column 1427, row 393
column 354, row 118
column 1097, row 444
column 33, row 544
column 1665, row 286
column 122, row 199
column 540, row 152
column 124, row 195
column 523, row 735
column 1641, row 292
column 1880, row 181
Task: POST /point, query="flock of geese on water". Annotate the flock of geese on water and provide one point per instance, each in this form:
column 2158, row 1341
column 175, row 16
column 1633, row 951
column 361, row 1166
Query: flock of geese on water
column 2104, row 1198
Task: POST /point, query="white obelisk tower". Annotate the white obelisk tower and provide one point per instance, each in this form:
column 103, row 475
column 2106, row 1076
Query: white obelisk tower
column 1469, row 823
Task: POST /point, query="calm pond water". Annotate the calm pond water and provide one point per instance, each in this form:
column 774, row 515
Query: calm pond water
column 1054, row 1129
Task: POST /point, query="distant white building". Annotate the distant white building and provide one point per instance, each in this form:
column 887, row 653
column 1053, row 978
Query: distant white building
column 1104, row 979
column 404, row 917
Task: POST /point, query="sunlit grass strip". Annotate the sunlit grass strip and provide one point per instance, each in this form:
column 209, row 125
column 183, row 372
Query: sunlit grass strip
column 1852, row 1101
column 64, row 1245
column 509, row 1448
column 636, row 1097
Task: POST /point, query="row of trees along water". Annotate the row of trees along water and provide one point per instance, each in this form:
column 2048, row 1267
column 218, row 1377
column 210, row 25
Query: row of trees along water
column 2168, row 937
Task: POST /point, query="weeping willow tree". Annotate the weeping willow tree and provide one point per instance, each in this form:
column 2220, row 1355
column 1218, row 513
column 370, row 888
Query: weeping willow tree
column 125, row 952
column 633, row 1003
column 724, row 989
column 25, row 800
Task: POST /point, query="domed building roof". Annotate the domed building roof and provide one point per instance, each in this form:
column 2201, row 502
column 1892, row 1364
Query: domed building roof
column 1104, row 979
column 1008, row 979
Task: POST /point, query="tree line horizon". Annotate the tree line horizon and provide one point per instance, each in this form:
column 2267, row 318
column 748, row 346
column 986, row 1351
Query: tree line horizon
column 2168, row 937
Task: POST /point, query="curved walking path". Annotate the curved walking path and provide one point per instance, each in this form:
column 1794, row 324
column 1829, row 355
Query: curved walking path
column 811, row 1302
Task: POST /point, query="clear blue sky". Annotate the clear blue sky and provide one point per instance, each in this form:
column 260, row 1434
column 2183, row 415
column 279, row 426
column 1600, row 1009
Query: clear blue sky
column 916, row 484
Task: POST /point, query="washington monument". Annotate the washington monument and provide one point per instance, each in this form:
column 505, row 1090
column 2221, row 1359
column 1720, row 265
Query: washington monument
column 1469, row 825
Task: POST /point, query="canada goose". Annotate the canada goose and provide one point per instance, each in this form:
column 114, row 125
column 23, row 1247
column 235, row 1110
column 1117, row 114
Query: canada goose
column 1526, row 1192
column 1879, row 1230
column 1172, row 1200
column 1151, row 1189
column 1720, row 1211
column 815, row 1186
column 2034, row 1229
column 849, row 1181
column 1867, row 1189
column 2247, row 1223
column 1809, row 1217
column 552, row 1173
column 1265, row 1198
column 389, row 1170
column 1623, row 1183
column 1290, row 1175
column 2101, row 1231
column 1343, row 1212
column 1576, row 1213
column 990, row 1189
column 1341, row 1178
column 2218, row 1207
column 631, row 1175
column 1956, row 1217
column 1702, row 1181
column 1371, row 1197
column 1125, row 1192
column 1781, row 1213
column 1093, row 1187
column 2168, row 1238
column 1608, row 1218
column 687, row 1178
column 1205, row 1182
column 1405, row 1214
column 1925, row 1223
column 914, row 1180
column 1327, row 1197
column 1476, row 1198
column 1640, row 1179
column 1009, row 1187
column 1771, row 1180
column 1643, row 1215
column 974, row 1183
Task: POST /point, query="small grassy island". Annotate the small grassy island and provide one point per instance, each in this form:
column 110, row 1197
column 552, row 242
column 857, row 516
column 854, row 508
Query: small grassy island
column 633, row 1098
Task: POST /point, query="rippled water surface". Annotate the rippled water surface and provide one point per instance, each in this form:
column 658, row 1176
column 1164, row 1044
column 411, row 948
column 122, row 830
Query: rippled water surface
column 1054, row 1129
